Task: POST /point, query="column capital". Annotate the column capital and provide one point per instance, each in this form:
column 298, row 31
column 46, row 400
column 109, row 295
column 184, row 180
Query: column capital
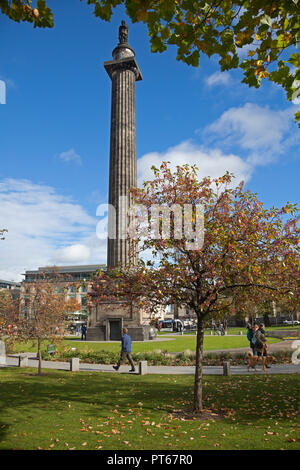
column 128, row 63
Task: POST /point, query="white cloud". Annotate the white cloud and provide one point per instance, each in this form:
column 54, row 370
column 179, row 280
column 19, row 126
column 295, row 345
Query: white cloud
column 74, row 254
column 70, row 156
column 260, row 131
column 242, row 138
column 211, row 162
column 44, row 228
column 218, row 78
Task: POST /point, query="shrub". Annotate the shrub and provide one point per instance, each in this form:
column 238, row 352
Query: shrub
column 158, row 357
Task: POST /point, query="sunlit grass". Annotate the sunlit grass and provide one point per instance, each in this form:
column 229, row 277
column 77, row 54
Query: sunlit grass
column 170, row 344
column 65, row 410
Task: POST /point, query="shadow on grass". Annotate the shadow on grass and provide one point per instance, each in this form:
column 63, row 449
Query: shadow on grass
column 99, row 393
column 55, row 388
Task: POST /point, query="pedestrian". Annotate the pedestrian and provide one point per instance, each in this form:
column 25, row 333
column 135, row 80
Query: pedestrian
column 261, row 329
column 253, row 339
column 259, row 341
column 83, row 332
column 125, row 351
column 249, row 337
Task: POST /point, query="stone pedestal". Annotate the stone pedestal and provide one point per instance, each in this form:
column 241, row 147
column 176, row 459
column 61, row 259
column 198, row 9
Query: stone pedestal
column 107, row 321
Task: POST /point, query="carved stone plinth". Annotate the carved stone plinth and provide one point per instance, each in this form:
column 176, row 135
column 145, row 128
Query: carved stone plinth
column 108, row 319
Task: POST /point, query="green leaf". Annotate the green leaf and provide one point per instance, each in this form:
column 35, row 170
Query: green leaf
column 193, row 59
column 157, row 44
column 265, row 19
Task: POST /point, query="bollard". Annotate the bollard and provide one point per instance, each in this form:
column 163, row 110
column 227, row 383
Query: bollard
column 226, row 368
column 23, row 360
column 143, row 367
column 2, row 353
column 74, row 364
column 241, row 333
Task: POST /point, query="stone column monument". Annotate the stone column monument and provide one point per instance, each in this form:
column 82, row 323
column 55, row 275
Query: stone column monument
column 124, row 72
column 107, row 319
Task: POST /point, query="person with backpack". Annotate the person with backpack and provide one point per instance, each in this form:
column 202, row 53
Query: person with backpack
column 254, row 342
column 259, row 341
column 249, row 337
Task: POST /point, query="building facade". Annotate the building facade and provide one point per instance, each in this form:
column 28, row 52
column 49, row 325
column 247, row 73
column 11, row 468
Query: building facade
column 74, row 282
column 10, row 285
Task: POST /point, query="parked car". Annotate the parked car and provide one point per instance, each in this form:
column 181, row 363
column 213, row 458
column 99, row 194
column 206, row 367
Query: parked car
column 290, row 322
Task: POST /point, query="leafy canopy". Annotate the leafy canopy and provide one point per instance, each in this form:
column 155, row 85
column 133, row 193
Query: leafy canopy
column 246, row 249
column 269, row 30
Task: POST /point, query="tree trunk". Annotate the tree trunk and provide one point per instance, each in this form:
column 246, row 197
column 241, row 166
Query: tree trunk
column 198, row 404
column 39, row 357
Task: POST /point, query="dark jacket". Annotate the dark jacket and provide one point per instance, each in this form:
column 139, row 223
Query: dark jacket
column 126, row 343
column 260, row 341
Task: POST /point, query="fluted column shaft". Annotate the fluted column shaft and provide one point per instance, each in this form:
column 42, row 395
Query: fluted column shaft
column 122, row 173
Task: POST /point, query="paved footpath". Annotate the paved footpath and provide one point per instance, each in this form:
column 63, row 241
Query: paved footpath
column 12, row 361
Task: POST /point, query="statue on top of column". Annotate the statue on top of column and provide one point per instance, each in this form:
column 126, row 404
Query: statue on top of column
column 123, row 33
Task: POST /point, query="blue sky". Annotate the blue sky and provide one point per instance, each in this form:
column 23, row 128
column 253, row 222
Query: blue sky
column 55, row 128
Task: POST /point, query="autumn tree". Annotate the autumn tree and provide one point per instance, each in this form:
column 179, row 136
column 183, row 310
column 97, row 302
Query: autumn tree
column 247, row 251
column 268, row 30
column 41, row 313
column 9, row 316
column 22, row 10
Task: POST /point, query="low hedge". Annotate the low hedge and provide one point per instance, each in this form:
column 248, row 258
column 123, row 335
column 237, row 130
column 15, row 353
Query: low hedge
column 161, row 358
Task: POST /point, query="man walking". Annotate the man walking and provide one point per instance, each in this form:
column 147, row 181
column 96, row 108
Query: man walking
column 125, row 351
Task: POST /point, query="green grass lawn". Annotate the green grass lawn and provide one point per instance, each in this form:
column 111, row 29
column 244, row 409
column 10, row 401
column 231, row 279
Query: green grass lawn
column 171, row 344
column 69, row 410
